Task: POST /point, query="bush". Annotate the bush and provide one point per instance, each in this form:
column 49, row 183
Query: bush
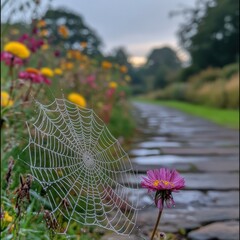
column 212, row 94
column 175, row 91
column 208, row 75
column 158, row 94
column 213, row 87
column 186, row 73
column 229, row 70
column 232, row 92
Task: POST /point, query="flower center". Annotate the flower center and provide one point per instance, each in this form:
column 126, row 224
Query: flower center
column 166, row 183
column 156, row 183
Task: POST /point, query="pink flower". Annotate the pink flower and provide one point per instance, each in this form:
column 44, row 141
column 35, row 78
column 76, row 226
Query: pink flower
column 164, row 181
column 110, row 92
column 57, row 53
column 34, row 30
column 91, row 81
column 11, row 60
column 47, row 81
column 34, row 75
column 33, row 43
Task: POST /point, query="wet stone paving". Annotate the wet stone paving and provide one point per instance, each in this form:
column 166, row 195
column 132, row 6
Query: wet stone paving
column 206, row 155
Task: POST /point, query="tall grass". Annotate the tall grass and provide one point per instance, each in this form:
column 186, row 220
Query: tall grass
column 212, row 87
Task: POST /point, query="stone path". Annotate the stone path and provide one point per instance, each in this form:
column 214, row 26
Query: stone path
column 207, row 155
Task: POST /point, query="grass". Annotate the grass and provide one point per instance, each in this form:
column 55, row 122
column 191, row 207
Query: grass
column 121, row 123
column 224, row 117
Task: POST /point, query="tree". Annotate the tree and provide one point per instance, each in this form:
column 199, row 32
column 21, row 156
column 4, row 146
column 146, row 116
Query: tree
column 161, row 63
column 78, row 30
column 163, row 57
column 211, row 34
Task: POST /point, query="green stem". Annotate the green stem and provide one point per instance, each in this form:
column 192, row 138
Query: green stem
column 28, row 92
column 11, row 74
column 157, row 222
column 39, row 89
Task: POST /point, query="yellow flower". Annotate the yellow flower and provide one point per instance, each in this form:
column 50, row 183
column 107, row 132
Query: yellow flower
column 112, row 85
column 123, row 69
column 63, row 31
column 5, row 99
column 74, row 54
column 77, row 99
column 7, row 217
column 70, row 53
column 47, row 72
column 106, row 65
column 18, row 49
column 66, row 65
column 41, row 23
column 58, row 71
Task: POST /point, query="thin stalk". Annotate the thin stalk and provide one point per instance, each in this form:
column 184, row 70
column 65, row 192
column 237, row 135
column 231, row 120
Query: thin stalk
column 28, row 92
column 157, row 222
column 11, row 74
column 38, row 90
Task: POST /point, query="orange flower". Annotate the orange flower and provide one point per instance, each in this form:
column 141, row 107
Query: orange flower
column 106, row 65
column 45, row 47
column 83, row 44
column 41, row 23
column 69, row 65
column 32, row 70
column 123, row 69
column 74, row 54
column 63, row 31
column 78, row 55
column 43, row 33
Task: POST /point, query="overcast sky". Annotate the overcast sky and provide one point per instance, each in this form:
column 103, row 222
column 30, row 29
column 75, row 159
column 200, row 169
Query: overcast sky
column 137, row 25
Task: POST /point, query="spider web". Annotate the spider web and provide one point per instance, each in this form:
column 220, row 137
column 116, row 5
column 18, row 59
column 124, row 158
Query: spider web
column 82, row 168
